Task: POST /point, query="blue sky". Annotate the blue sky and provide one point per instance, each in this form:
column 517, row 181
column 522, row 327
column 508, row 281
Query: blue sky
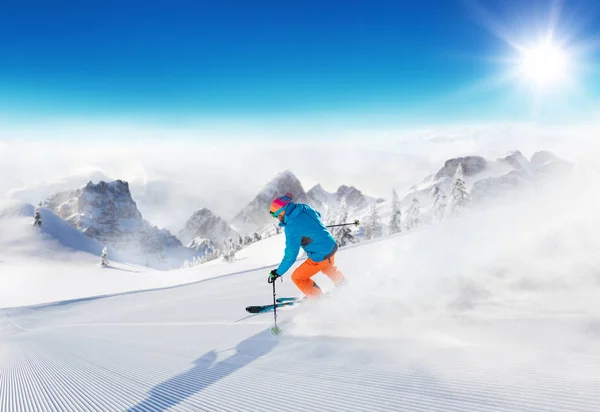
column 402, row 61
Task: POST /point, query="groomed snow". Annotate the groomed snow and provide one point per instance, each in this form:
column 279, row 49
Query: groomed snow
column 494, row 311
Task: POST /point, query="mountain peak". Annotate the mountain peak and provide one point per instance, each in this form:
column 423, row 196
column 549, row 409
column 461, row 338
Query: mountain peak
column 205, row 224
column 471, row 166
column 117, row 187
column 286, row 174
column 256, row 213
column 106, row 212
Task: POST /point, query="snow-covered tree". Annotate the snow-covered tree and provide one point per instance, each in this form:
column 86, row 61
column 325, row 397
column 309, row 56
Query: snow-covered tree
column 230, row 249
column 395, row 218
column 247, row 240
column 256, row 237
column 440, row 203
column 104, row 257
column 335, row 220
column 210, row 256
column 37, row 217
column 413, row 214
column 460, row 197
column 343, row 234
column 372, row 225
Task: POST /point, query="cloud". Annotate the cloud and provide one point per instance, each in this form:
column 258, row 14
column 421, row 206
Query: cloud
column 173, row 172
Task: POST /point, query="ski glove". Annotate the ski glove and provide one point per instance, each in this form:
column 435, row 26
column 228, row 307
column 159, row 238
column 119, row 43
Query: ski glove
column 273, row 276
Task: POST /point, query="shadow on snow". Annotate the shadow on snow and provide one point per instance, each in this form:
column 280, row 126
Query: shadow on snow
column 205, row 372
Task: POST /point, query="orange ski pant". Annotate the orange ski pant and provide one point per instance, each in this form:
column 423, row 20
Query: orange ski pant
column 302, row 275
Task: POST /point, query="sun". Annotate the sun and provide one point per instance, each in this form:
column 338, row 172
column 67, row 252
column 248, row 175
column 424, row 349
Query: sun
column 544, row 64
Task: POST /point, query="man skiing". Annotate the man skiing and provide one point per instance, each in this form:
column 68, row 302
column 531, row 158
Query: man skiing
column 303, row 228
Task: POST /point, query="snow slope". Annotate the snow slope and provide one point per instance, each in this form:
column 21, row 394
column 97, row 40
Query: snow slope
column 61, row 263
column 495, row 311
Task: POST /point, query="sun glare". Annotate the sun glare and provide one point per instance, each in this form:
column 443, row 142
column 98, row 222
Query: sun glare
column 544, row 64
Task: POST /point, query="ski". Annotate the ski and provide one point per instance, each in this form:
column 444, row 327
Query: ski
column 292, row 299
column 268, row 308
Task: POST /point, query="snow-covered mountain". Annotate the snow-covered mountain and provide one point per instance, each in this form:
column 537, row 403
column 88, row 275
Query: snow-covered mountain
column 205, row 224
column 255, row 214
column 488, row 180
column 16, row 208
column 203, row 246
column 547, row 164
column 325, row 201
column 107, row 213
column 472, row 165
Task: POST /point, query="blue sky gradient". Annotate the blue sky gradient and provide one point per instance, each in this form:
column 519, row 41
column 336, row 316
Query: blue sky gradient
column 416, row 61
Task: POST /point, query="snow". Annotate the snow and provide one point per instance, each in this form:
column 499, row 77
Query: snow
column 496, row 310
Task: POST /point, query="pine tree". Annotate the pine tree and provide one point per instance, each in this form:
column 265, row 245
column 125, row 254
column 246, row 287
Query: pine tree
column 343, row 234
column 37, row 217
column 104, row 257
column 395, row 218
column 256, row 237
column 440, row 203
column 341, row 218
column 230, row 249
column 413, row 215
column 460, row 196
column 372, row 226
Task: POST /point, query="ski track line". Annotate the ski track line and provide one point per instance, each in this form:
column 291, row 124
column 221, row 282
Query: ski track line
column 127, row 378
column 414, row 399
column 104, row 386
column 174, row 389
column 50, row 361
column 334, row 372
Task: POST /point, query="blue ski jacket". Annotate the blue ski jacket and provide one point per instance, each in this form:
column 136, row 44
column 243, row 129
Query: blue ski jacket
column 303, row 228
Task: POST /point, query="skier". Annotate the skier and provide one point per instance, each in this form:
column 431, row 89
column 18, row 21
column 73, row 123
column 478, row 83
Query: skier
column 303, row 228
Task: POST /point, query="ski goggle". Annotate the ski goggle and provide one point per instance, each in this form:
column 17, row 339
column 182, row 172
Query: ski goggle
column 278, row 212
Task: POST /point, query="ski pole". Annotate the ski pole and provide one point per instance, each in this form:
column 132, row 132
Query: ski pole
column 355, row 223
column 275, row 329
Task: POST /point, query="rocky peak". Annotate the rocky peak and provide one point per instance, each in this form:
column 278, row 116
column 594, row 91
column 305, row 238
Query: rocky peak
column 202, row 246
column 256, row 213
column 547, row 164
column 118, row 188
column 471, row 166
column 107, row 212
column 319, row 198
column 206, row 225
column 515, row 159
column 543, row 156
column 354, row 197
column 284, row 182
column 317, row 190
